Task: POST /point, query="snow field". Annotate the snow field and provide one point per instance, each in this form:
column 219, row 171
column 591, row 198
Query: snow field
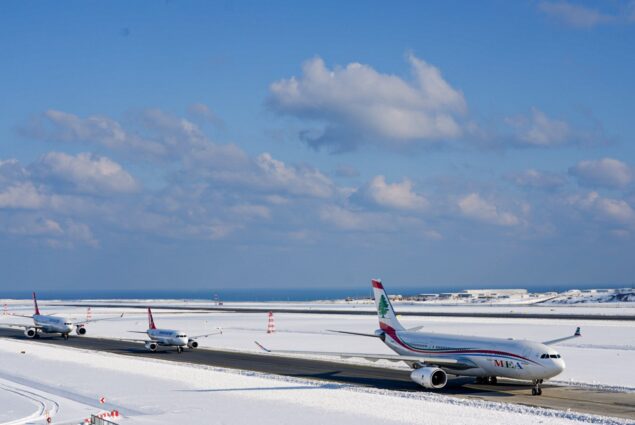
column 152, row 391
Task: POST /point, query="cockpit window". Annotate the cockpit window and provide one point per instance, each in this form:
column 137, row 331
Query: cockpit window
column 547, row 356
column 68, row 323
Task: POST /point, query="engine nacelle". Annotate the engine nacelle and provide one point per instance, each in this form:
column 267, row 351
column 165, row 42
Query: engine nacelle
column 80, row 330
column 30, row 332
column 430, row 377
column 192, row 343
column 152, row 346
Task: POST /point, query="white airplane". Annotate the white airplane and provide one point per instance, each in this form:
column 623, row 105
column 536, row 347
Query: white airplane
column 50, row 324
column 435, row 356
column 168, row 337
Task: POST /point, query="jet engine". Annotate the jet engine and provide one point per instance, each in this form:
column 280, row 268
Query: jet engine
column 80, row 330
column 430, row 377
column 30, row 332
column 192, row 343
column 152, row 346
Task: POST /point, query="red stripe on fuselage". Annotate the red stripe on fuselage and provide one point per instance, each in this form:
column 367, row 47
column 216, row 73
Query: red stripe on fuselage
column 377, row 284
column 393, row 334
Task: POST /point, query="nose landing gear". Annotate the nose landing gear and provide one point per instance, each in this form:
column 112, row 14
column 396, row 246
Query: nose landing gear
column 536, row 390
column 65, row 336
column 179, row 349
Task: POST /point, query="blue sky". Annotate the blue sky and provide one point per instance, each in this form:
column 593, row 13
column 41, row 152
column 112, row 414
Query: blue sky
column 281, row 144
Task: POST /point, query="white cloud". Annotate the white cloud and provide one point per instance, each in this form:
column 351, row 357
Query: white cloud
column 200, row 110
column 61, row 126
column 86, row 172
column 21, row 195
column 360, row 105
column 575, row 15
column 539, row 130
column 605, row 172
column 476, row 208
column 613, row 211
column 399, row 196
column 537, row 180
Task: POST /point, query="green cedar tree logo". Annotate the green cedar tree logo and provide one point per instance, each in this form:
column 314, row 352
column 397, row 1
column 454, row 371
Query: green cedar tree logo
column 383, row 307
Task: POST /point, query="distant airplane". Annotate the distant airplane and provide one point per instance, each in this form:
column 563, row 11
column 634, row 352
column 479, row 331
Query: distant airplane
column 51, row 324
column 168, row 337
column 434, row 356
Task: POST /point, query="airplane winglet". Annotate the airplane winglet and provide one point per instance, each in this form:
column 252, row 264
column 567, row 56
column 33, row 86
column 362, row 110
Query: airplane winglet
column 577, row 332
column 262, row 347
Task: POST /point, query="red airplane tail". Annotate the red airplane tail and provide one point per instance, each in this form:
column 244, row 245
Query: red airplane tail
column 37, row 310
column 151, row 324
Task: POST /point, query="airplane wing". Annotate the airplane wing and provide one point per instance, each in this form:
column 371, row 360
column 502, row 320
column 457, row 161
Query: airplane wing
column 21, row 315
column 353, row 333
column 136, row 340
column 219, row 331
column 19, row 325
column 83, row 322
column 372, row 357
column 566, row 338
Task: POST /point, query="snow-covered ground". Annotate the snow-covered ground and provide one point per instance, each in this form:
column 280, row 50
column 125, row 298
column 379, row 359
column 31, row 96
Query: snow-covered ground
column 75, row 379
column 148, row 391
column 603, row 356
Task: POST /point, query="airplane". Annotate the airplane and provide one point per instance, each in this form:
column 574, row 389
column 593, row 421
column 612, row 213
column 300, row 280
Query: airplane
column 50, row 324
column 168, row 337
column 434, row 356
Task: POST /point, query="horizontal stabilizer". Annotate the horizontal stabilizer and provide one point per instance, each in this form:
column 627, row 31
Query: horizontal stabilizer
column 566, row 338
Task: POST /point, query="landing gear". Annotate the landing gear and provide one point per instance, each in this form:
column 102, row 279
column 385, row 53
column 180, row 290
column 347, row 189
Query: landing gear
column 179, row 349
column 65, row 336
column 536, row 390
column 491, row 380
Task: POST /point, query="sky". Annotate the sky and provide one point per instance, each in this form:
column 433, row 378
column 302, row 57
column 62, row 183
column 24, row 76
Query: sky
column 194, row 145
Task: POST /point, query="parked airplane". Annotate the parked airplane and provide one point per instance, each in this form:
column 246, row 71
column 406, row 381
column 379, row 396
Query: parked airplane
column 434, row 356
column 168, row 337
column 51, row 324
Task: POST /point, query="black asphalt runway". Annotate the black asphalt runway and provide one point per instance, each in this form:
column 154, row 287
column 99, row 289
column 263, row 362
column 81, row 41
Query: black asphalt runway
column 228, row 309
column 583, row 400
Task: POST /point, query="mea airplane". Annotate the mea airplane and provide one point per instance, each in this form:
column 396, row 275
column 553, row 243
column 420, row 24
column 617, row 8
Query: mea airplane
column 435, row 356
column 168, row 337
column 50, row 324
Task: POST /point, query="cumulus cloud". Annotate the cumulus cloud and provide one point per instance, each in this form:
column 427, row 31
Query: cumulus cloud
column 476, row 208
column 575, row 15
column 204, row 112
column 537, row 180
column 538, row 130
column 358, row 104
column 21, row 195
column 605, row 172
column 59, row 126
column 579, row 16
column 86, row 172
column 400, row 196
column 610, row 210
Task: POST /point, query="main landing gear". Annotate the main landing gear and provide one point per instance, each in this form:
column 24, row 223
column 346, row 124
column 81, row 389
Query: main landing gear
column 491, row 380
column 536, row 390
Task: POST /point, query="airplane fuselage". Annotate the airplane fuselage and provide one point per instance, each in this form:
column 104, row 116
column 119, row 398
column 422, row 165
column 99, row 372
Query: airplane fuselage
column 168, row 337
column 480, row 357
column 52, row 324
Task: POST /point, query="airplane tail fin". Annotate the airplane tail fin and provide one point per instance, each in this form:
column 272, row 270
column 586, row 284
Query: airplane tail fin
column 37, row 309
column 385, row 312
column 151, row 324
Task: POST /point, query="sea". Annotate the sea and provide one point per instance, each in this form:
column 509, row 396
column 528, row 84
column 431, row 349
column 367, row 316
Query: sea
column 265, row 294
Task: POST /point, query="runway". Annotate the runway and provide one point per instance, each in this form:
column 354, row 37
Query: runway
column 357, row 312
column 583, row 400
